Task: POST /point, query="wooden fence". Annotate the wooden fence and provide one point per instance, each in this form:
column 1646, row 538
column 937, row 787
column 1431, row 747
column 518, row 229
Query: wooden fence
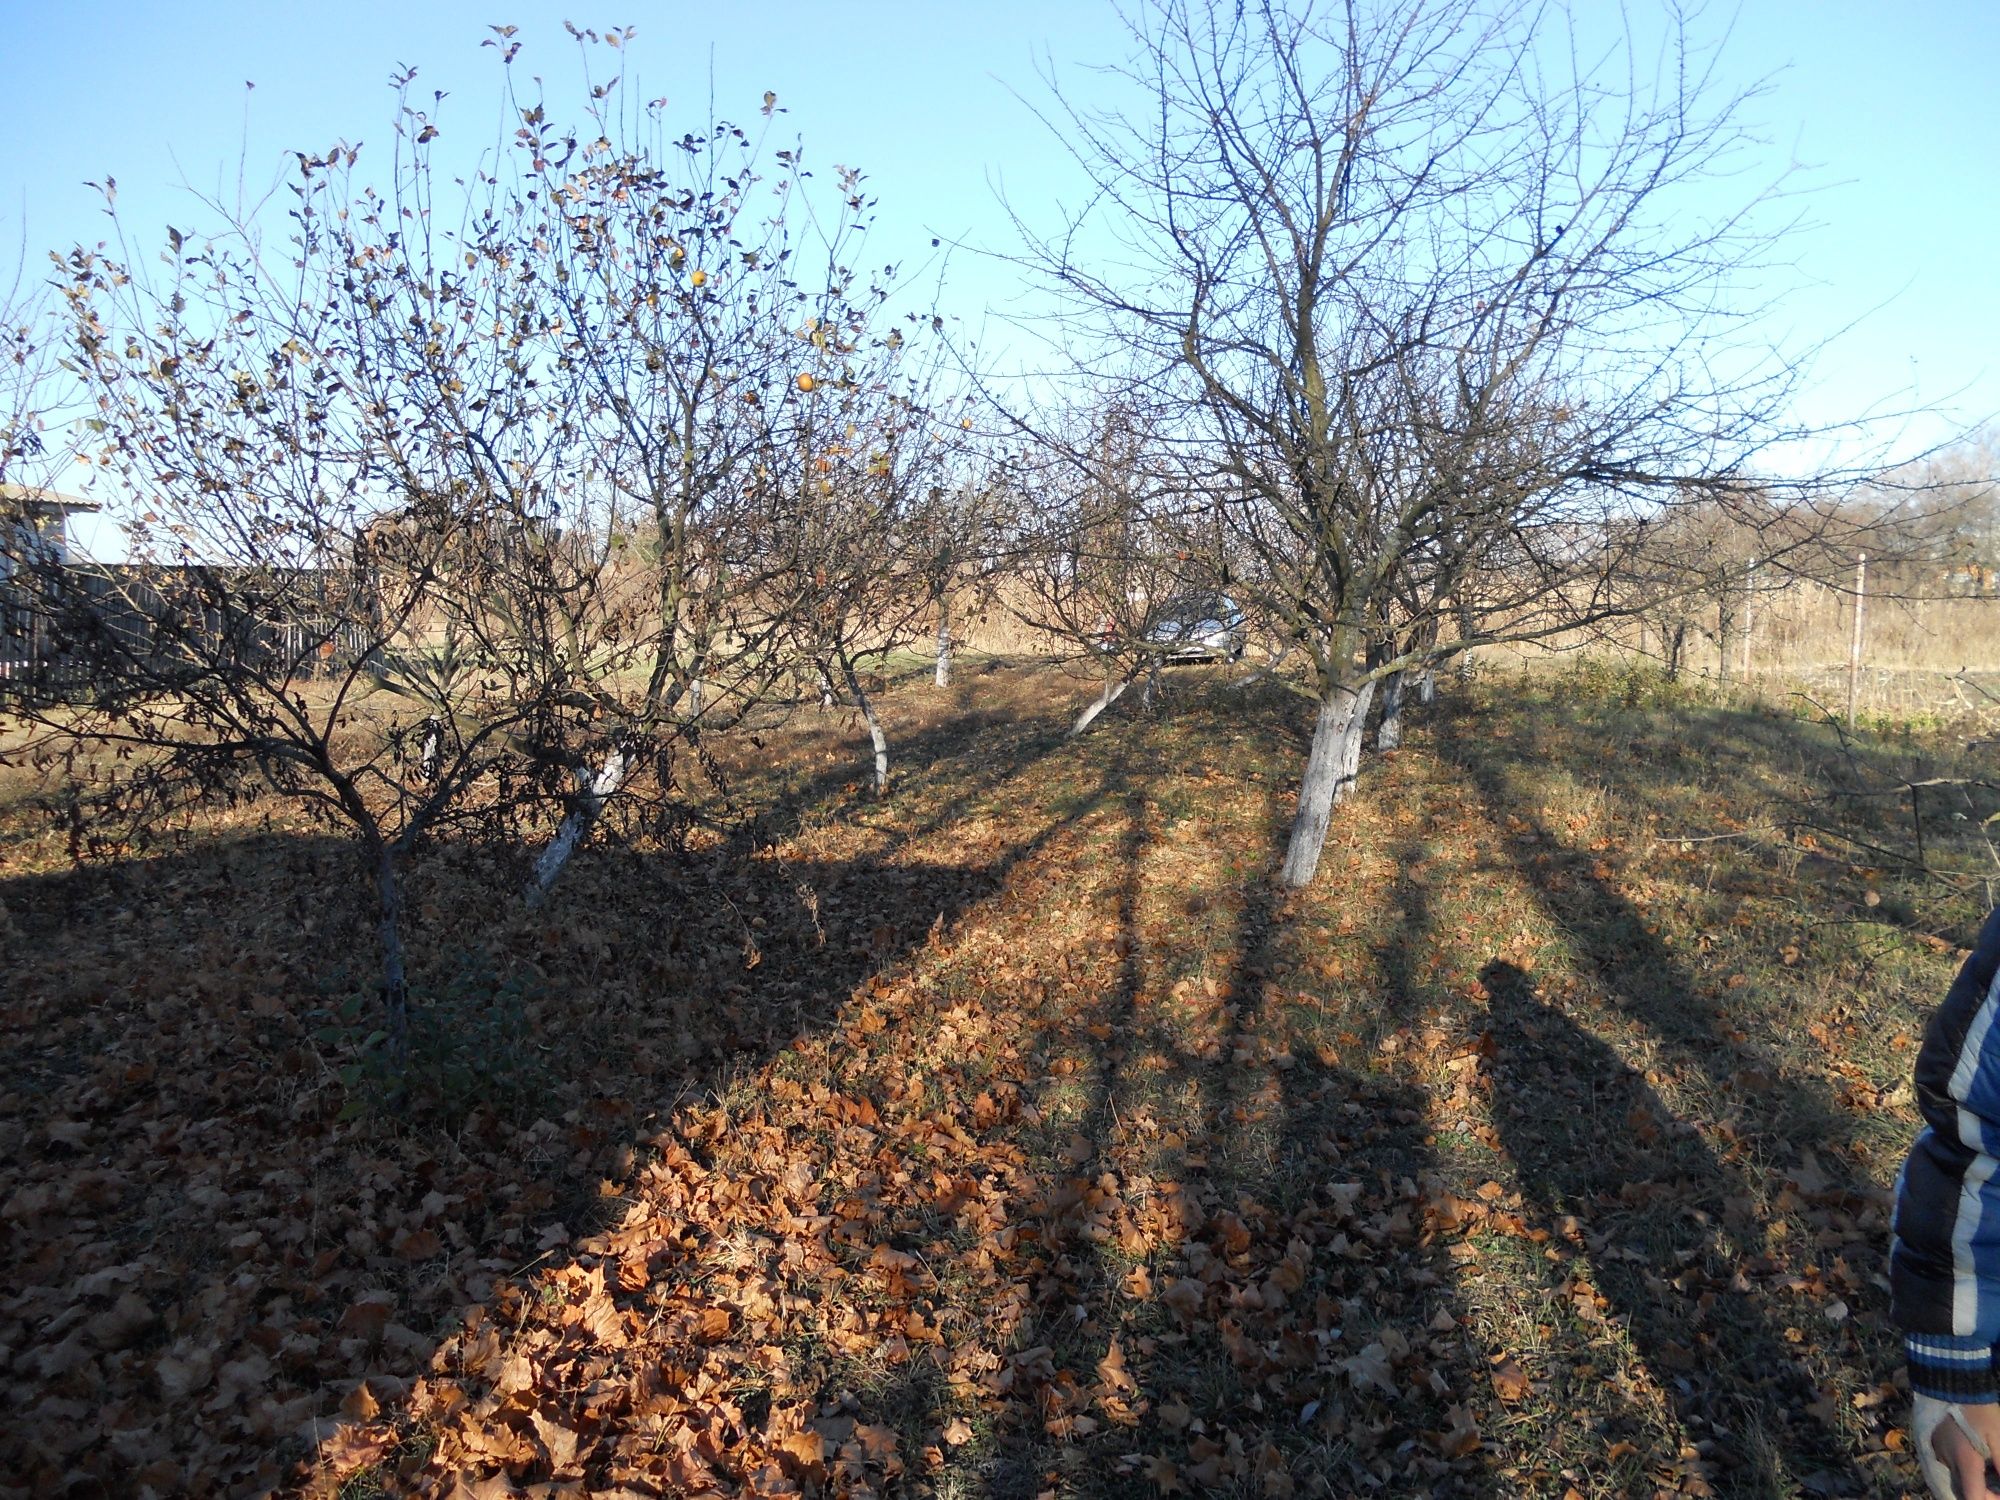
column 74, row 631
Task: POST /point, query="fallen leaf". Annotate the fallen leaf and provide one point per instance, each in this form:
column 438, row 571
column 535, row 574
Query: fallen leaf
column 1371, row 1367
column 355, row 1447
column 1510, row 1381
column 1460, row 1437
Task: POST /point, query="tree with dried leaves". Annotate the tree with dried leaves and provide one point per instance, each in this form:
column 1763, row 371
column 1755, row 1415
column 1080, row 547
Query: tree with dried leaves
column 704, row 339
column 303, row 534
column 876, row 522
column 455, row 508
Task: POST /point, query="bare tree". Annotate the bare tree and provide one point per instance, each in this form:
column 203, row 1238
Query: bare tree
column 1939, row 517
column 1104, row 549
column 1427, row 293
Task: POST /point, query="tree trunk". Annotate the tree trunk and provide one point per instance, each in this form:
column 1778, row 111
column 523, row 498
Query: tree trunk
column 592, row 793
column 433, row 747
column 1427, row 687
column 1389, row 733
column 875, row 734
column 1269, row 669
column 1111, row 694
column 1466, row 628
column 395, row 977
column 943, row 654
column 594, row 790
column 1330, row 770
column 1350, row 758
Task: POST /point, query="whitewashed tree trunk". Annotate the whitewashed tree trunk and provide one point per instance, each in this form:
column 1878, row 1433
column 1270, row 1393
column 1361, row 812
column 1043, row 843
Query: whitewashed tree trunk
column 1263, row 673
column 943, row 655
column 593, row 791
column 1389, row 733
column 1466, row 625
column 1331, row 767
column 432, row 748
column 1350, row 749
column 1113, row 691
column 875, row 735
column 1427, row 687
column 825, row 690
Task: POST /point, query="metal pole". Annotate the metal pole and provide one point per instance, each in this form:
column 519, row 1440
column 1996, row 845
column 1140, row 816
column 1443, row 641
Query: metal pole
column 1749, row 615
column 1854, row 646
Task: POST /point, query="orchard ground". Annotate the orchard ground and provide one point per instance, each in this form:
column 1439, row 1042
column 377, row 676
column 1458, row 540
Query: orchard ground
column 1010, row 1135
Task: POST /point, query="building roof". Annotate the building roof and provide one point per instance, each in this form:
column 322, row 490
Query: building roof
column 34, row 498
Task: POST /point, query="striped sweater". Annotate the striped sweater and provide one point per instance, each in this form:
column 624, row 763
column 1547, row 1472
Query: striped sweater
column 1944, row 1262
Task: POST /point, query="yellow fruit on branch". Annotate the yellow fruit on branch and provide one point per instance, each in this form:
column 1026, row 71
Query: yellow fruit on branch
column 806, row 382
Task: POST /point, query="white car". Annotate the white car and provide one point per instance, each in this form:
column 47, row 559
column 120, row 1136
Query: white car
column 1198, row 628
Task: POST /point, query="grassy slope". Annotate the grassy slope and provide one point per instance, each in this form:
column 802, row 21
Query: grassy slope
column 1014, row 1134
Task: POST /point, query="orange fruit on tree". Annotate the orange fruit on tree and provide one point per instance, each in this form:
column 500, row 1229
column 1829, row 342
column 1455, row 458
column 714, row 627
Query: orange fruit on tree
column 806, row 382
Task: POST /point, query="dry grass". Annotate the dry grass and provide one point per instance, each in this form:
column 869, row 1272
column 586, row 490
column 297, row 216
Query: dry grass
column 1932, row 660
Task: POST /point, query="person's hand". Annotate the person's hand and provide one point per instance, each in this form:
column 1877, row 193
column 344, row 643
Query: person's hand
column 1954, row 1436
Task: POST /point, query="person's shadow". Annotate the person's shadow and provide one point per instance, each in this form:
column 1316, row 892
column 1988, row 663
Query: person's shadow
column 1652, row 1235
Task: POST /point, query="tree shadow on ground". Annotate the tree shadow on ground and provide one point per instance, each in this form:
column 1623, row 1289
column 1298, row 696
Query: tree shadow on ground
column 1060, row 1207
column 1670, row 1227
column 1088, row 1195
column 197, row 1139
column 1654, row 1242
column 1236, row 1289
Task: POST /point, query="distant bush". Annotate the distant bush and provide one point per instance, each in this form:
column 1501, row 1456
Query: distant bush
column 1627, row 682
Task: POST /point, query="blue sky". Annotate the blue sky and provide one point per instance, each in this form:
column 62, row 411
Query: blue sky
column 1889, row 110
